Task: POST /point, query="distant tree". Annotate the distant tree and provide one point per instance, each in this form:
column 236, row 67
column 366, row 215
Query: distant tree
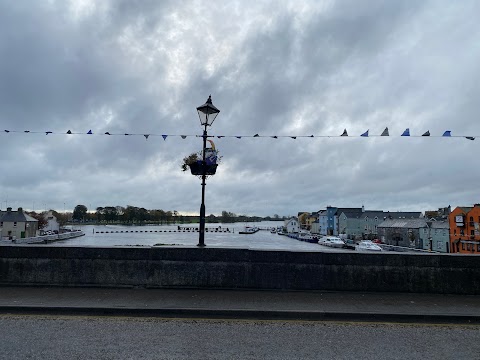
column 80, row 212
column 42, row 221
column 228, row 217
column 275, row 216
column 61, row 218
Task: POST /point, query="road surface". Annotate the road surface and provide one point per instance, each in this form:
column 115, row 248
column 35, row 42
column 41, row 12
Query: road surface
column 74, row 337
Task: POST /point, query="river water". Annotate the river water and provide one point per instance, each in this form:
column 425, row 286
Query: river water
column 101, row 235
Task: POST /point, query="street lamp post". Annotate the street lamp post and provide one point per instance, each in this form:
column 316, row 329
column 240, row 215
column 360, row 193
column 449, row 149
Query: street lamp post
column 207, row 114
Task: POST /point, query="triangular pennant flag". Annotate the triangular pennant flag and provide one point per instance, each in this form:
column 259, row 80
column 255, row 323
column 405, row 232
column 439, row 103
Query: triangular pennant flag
column 26, row 131
column 89, row 132
column 344, row 133
column 7, row 131
column 256, row 135
column 406, row 132
column 312, row 136
column 69, row 132
column 385, row 132
column 183, row 136
column 238, row 137
column 146, row 136
column 126, row 134
column 469, row 137
column 164, row 137
column 365, row 134
column 220, row 136
column 293, row 137
column 447, row 133
column 107, row 133
column 47, row 132
column 274, row 137
column 427, row 133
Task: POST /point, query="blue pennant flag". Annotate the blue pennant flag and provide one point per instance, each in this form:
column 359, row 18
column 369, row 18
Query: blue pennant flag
column 238, row 137
column 447, row 133
column 183, row 136
column 7, row 131
column 365, row 134
column 69, row 132
column 164, row 137
column 107, row 133
column 146, row 136
column 89, row 132
column 256, row 135
column 469, row 137
column 47, row 132
column 385, row 132
column 345, row 133
column 406, row 132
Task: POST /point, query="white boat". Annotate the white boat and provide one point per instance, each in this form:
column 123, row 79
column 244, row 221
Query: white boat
column 367, row 245
column 249, row 230
column 332, row 241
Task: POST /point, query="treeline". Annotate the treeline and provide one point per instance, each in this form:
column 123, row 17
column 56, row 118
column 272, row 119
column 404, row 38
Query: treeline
column 136, row 215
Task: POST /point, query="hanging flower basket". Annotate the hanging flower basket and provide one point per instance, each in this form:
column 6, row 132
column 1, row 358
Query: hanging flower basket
column 198, row 168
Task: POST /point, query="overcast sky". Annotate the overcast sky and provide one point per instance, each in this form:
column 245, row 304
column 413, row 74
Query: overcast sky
column 273, row 68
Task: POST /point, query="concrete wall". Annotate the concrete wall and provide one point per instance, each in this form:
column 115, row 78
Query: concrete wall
column 238, row 268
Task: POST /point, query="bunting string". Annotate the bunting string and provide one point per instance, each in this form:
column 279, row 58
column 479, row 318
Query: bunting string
column 385, row 133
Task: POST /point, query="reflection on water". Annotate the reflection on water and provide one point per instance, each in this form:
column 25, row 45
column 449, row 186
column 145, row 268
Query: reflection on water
column 262, row 240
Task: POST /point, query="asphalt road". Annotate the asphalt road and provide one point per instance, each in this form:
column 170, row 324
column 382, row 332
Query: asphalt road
column 70, row 337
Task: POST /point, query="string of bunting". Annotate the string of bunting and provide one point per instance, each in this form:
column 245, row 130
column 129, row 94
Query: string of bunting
column 385, row 132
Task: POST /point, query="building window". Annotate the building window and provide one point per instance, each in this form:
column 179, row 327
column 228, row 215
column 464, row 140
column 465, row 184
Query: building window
column 472, row 232
column 463, row 246
column 468, row 247
column 462, row 232
column 15, row 224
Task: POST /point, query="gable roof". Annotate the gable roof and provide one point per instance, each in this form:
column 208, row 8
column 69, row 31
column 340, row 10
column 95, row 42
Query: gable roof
column 15, row 216
column 403, row 223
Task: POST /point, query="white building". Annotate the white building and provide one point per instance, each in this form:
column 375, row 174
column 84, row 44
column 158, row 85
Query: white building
column 52, row 223
column 292, row 225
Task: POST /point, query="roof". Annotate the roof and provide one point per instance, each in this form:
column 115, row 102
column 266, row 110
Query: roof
column 15, row 216
column 358, row 213
column 403, row 223
column 440, row 225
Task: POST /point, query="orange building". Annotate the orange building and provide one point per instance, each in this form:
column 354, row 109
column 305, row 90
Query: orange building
column 465, row 230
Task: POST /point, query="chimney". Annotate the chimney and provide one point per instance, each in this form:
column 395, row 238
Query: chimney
column 20, row 210
column 363, row 208
column 9, row 209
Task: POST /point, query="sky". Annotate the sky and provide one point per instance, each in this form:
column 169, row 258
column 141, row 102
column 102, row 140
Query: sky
column 273, row 68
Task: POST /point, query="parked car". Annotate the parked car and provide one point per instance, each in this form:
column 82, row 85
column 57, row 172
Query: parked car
column 367, row 245
column 350, row 244
column 331, row 241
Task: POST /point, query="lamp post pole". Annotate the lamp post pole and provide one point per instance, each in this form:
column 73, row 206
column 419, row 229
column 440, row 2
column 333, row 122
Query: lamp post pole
column 201, row 235
column 207, row 114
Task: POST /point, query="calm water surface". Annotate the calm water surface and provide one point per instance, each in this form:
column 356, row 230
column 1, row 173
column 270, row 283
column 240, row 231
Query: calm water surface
column 262, row 240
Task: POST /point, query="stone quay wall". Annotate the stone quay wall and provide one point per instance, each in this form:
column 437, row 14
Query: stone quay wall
column 215, row 268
